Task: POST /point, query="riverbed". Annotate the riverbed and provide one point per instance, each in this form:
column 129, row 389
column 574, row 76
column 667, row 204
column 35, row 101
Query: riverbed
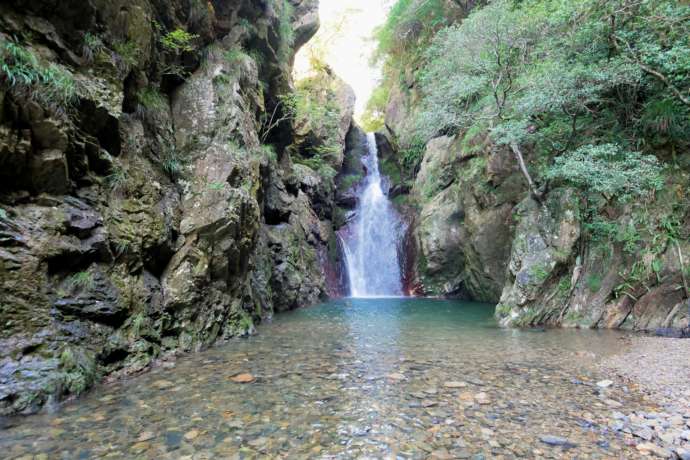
column 355, row 378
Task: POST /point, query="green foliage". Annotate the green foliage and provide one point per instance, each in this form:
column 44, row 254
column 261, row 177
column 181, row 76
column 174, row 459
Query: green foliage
column 126, row 56
column 151, row 99
column 600, row 229
column 630, row 237
column 236, row 54
column 171, row 163
column 117, row 180
column 93, row 45
column 560, row 76
column 81, row 280
column 3, row 214
column 411, row 155
column 609, row 170
column 51, row 85
column 373, row 117
column 409, row 24
column 287, row 34
column 269, row 151
column 312, row 106
column 594, row 282
column 350, row 180
column 564, row 285
column 540, row 273
column 665, row 121
column 178, row 41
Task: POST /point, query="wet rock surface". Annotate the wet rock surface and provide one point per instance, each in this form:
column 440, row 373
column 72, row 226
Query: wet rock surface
column 362, row 379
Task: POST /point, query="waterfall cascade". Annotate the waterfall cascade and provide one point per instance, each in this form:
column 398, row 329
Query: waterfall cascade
column 372, row 247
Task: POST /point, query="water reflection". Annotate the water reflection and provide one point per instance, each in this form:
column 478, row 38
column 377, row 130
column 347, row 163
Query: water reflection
column 350, row 379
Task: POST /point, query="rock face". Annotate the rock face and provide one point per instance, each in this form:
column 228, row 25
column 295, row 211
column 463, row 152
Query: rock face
column 466, row 192
column 478, row 235
column 143, row 215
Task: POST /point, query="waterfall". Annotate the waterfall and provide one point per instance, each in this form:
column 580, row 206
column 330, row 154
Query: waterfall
column 372, row 247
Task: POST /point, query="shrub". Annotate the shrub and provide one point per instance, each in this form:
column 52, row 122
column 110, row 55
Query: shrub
column 178, row 41
column 609, row 170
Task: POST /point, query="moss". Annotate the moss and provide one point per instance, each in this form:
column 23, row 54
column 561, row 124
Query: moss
column 564, row 285
column 530, row 316
column 152, row 99
column 503, row 310
column 540, row 272
column 350, row 180
column 594, row 282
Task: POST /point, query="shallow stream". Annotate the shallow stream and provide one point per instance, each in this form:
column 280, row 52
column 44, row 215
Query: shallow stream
column 367, row 378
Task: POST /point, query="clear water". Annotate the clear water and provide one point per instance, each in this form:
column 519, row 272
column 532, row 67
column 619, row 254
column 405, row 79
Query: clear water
column 356, row 378
column 372, row 249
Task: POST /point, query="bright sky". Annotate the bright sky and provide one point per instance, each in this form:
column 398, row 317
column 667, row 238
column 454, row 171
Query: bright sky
column 346, row 30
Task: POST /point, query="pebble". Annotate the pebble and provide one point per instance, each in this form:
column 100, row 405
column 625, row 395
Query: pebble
column 454, row 384
column 644, row 433
column 243, row 378
column 191, row 435
column 683, row 454
column 145, row 436
column 556, row 441
column 651, row 448
column 604, row 383
column 482, row 398
column 466, row 396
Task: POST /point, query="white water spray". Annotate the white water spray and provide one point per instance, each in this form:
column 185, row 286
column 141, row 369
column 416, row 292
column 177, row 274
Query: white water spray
column 372, row 250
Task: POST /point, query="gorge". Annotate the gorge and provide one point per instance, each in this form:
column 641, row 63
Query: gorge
column 203, row 256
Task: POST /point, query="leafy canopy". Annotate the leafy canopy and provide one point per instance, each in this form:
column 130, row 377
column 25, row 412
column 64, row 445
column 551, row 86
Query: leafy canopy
column 609, row 170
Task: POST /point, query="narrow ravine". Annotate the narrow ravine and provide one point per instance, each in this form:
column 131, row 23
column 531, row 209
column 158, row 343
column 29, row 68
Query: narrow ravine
column 372, row 246
column 461, row 231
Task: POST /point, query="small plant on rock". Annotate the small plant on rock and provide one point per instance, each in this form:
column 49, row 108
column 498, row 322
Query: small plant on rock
column 91, row 47
column 51, row 85
column 117, row 180
column 81, row 280
column 178, row 41
column 171, row 163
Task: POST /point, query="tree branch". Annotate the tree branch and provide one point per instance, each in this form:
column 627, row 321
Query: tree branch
column 523, row 168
